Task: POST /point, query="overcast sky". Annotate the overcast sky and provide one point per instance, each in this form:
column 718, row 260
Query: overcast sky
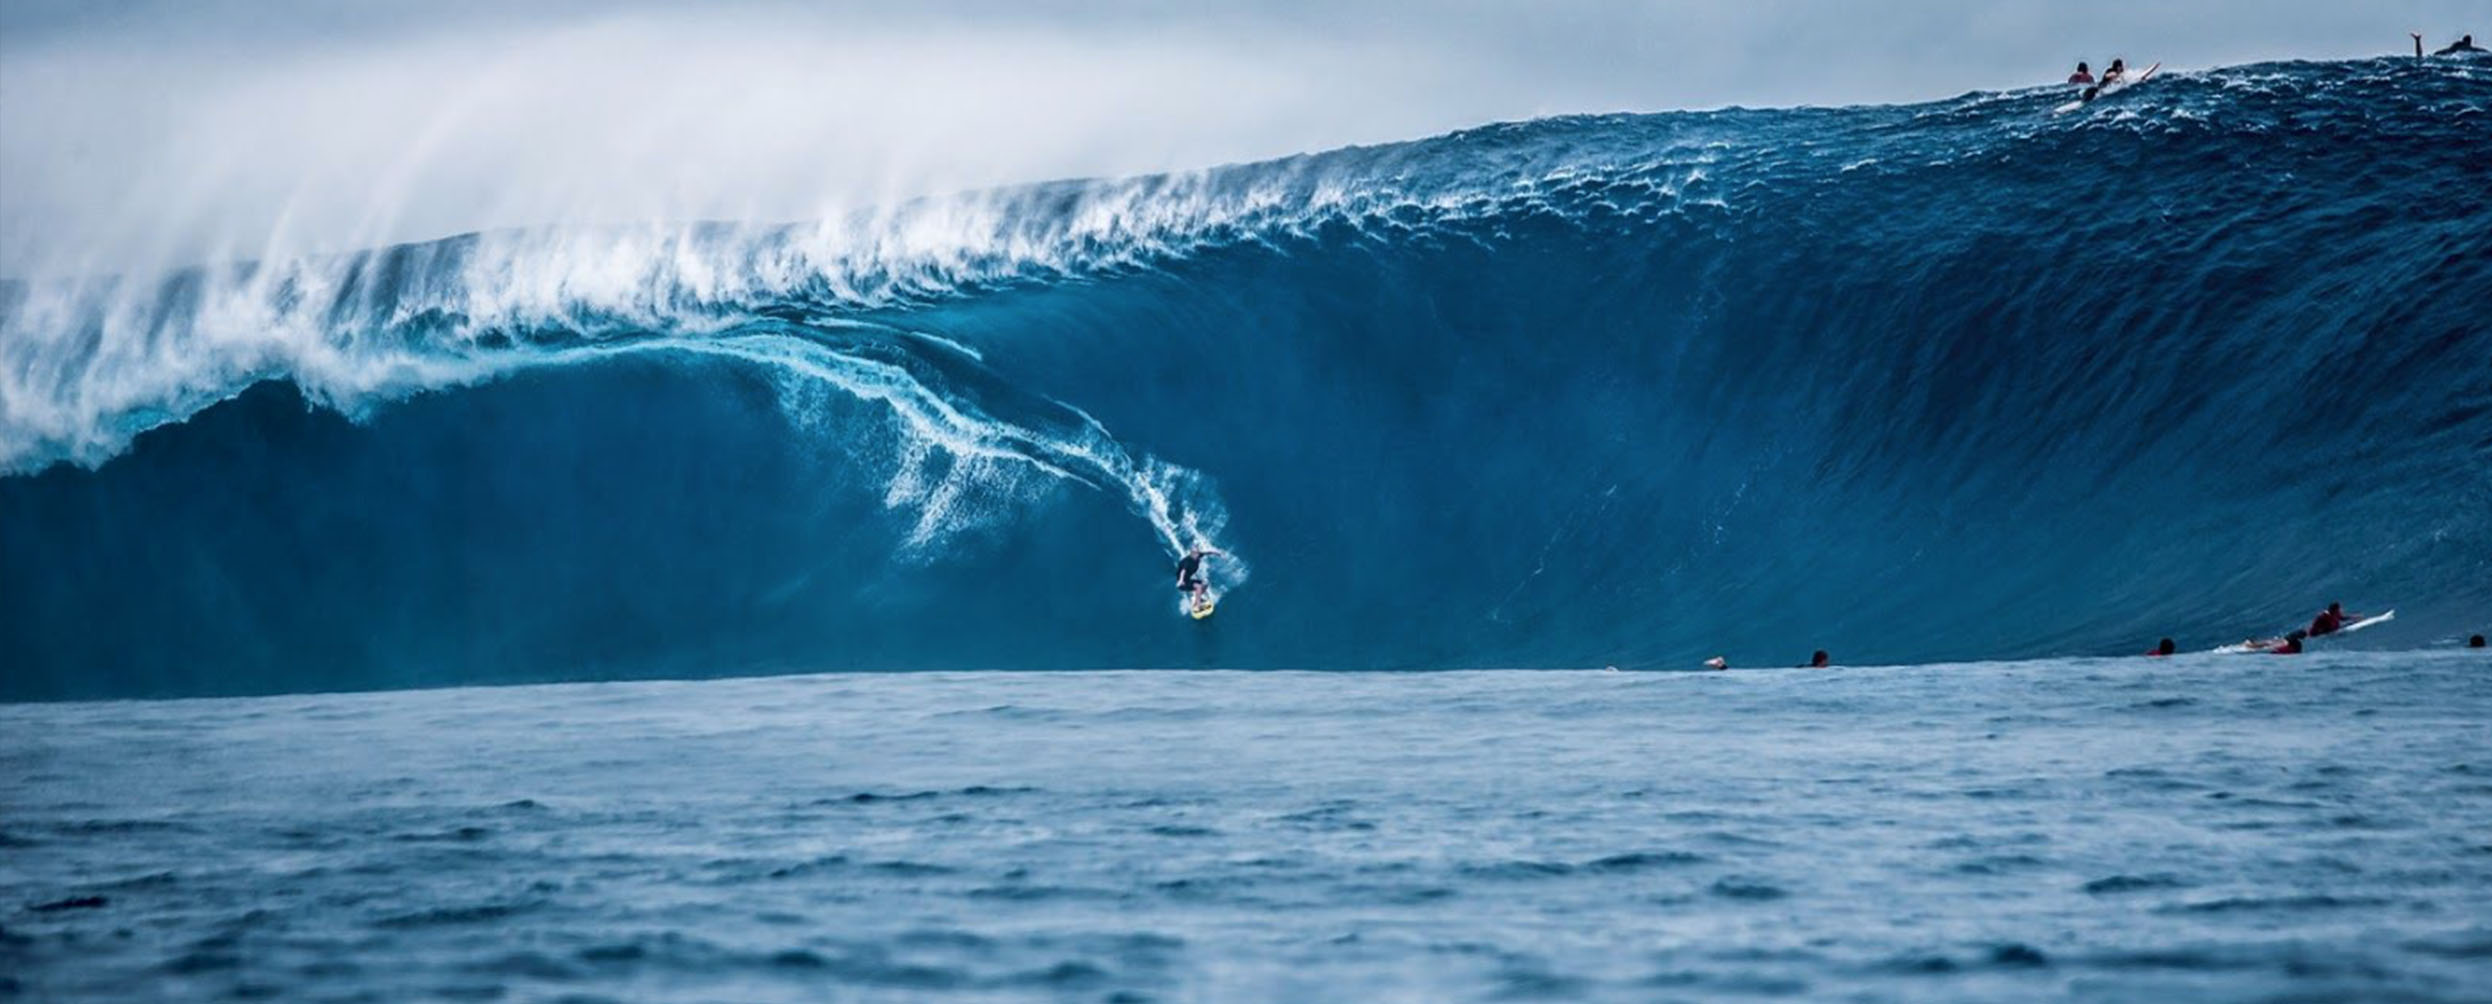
column 135, row 132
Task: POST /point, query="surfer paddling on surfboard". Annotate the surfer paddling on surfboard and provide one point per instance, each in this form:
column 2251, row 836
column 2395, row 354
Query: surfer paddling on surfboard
column 2290, row 644
column 2114, row 80
column 2333, row 619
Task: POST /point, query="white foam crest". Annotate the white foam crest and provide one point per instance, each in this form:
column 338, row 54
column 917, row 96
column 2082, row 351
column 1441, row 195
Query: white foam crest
column 83, row 370
column 79, row 354
column 87, row 363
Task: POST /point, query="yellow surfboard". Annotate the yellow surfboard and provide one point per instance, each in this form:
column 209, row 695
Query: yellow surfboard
column 1204, row 609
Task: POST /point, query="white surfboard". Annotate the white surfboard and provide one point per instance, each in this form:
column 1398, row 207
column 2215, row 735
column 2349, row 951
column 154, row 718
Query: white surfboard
column 2366, row 622
column 2106, row 90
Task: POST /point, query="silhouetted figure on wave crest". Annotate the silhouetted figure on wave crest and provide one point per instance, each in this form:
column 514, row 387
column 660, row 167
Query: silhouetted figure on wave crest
column 2462, row 47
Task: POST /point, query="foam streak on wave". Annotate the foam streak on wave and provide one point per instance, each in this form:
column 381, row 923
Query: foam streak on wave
column 1180, row 509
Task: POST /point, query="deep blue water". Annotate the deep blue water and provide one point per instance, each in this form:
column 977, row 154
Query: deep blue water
column 2207, row 828
column 1953, row 380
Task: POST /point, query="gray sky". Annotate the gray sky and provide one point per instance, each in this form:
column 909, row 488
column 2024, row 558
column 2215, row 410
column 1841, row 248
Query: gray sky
column 136, row 133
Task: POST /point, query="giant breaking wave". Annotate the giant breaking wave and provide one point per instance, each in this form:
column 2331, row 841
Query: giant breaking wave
column 1910, row 383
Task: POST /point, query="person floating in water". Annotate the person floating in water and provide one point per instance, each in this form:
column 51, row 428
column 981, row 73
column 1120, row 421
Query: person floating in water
column 2462, row 46
column 2085, row 75
column 2164, row 648
column 1190, row 573
column 1819, row 660
column 2332, row 620
column 2475, row 642
column 2278, row 646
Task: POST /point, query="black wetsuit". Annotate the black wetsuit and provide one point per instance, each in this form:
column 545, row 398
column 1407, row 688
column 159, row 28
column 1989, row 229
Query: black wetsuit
column 1190, row 572
column 2460, row 48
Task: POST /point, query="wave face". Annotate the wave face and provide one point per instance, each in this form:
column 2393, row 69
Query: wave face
column 1907, row 383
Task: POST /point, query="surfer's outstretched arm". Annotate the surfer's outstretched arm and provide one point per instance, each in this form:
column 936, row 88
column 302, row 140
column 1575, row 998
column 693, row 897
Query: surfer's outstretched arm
column 2418, row 43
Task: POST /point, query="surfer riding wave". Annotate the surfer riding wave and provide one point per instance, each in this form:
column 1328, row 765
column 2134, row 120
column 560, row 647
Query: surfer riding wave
column 1190, row 579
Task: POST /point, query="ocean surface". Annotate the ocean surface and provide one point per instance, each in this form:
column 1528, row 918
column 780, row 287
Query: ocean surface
column 2204, row 828
column 1917, row 383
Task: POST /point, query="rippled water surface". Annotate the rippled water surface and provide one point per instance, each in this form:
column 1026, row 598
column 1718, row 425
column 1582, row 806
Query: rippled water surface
column 2203, row 828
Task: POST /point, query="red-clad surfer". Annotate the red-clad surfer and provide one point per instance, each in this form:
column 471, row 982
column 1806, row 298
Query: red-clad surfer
column 2332, row 620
